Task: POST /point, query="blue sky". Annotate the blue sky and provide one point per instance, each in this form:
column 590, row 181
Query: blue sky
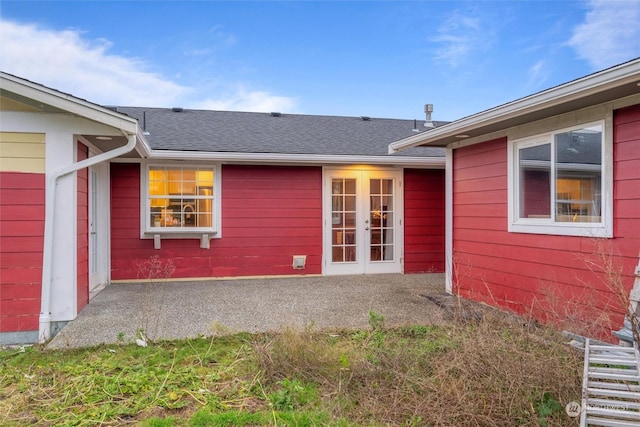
column 373, row 58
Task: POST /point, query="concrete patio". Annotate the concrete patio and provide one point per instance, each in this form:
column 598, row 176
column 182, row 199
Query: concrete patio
column 173, row 310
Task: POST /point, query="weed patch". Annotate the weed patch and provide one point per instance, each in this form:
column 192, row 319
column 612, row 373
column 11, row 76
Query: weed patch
column 490, row 373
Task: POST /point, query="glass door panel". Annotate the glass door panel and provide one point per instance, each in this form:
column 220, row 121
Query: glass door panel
column 343, row 220
column 381, row 241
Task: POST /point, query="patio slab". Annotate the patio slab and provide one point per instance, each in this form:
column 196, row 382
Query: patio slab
column 174, row 310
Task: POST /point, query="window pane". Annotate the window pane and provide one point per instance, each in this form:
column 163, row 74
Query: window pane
column 374, row 186
column 350, row 203
column 180, row 197
column 578, row 175
column 387, row 203
column 204, row 178
column 349, row 186
column 350, row 220
column 387, row 186
column 337, row 220
column 535, row 181
column 336, row 203
column 174, row 174
column 337, row 186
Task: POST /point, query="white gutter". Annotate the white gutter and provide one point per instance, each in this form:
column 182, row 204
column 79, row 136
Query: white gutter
column 50, row 198
column 295, row 158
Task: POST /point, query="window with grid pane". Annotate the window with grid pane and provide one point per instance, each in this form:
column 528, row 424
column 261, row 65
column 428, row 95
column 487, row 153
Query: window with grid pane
column 558, row 182
column 181, row 198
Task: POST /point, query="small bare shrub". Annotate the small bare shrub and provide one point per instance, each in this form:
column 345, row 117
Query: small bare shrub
column 152, row 270
column 606, row 263
column 306, row 355
column 581, row 313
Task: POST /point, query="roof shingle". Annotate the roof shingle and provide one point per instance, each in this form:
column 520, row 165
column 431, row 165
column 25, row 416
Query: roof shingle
column 244, row 132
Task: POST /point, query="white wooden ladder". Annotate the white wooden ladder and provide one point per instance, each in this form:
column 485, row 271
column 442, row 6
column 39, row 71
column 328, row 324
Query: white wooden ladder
column 611, row 386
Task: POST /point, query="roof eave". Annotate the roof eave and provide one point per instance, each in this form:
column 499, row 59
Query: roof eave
column 535, row 105
column 68, row 103
column 279, row 158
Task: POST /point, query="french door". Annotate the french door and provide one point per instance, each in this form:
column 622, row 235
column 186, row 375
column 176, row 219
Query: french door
column 363, row 224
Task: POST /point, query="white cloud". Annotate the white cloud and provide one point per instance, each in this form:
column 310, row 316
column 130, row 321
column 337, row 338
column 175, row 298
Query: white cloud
column 610, row 33
column 538, row 74
column 242, row 99
column 69, row 62
column 64, row 60
column 460, row 35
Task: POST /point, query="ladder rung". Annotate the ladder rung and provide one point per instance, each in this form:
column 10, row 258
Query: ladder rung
column 612, row 360
column 613, row 393
column 612, row 371
column 604, row 422
column 607, row 403
column 613, row 376
column 614, row 386
column 616, row 348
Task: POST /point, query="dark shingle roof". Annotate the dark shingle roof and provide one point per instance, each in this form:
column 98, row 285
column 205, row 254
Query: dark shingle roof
column 241, row 132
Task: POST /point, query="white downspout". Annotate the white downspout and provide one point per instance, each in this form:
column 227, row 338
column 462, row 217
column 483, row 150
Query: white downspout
column 47, row 253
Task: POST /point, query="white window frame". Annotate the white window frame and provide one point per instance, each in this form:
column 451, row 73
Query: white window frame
column 603, row 228
column 148, row 230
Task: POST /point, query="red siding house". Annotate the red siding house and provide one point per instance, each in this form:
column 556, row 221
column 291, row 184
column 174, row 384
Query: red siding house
column 543, row 201
column 89, row 193
column 533, row 205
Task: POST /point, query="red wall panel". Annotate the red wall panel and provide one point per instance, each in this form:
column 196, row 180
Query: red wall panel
column 269, row 214
column 21, row 233
column 549, row 277
column 82, row 262
column 423, row 220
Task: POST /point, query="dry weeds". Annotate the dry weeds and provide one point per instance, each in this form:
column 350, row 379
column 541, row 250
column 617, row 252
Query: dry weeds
column 492, row 373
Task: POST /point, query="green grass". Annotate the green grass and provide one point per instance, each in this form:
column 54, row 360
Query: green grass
column 493, row 373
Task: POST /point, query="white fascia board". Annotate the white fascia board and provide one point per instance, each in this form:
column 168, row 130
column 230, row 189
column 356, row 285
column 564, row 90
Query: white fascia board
column 585, row 86
column 434, row 162
column 68, row 103
column 142, row 147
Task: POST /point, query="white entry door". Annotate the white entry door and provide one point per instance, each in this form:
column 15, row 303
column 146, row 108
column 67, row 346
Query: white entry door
column 363, row 221
column 98, row 228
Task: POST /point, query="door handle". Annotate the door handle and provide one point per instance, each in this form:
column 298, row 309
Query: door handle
column 366, row 228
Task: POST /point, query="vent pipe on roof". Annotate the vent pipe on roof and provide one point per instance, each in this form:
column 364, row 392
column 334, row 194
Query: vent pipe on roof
column 415, row 126
column 177, row 109
column 365, row 118
column 428, row 109
column 144, row 124
column 275, row 114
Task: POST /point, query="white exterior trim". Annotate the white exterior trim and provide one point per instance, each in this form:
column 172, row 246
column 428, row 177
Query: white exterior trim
column 595, row 83
column 448, row 221
column 363, row 266
column 315, row 159
column 146, row 232
column 536, row 226
column 68, row 103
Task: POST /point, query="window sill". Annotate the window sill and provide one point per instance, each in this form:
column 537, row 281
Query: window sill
column 565, row 229
column 203, row 236
column 179, row 234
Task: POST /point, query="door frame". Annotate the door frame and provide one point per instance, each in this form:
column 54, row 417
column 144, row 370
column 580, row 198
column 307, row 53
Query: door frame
column 99, row 266
column 363, row 239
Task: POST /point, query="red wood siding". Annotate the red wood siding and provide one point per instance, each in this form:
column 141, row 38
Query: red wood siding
column 423, row 220
column 543, row 275
column 269, row 214
column 22, row 235
column 82, row 185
